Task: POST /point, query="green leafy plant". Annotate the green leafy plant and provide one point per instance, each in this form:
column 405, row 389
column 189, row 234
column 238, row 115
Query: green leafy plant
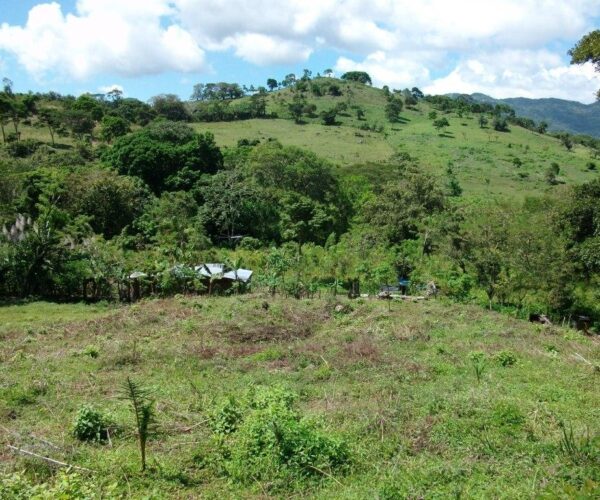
column 92, row 351
column 92, row 425
column 478, row 362
column 263, row 438
column 143, row 410
column 506, row 358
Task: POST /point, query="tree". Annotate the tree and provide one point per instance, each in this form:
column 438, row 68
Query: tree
column 53, row 119
column 441, row 123
column 289, row 80
column 234, row 204
column 401, row 208
column 170, row 107
column 542, row 127
column 483, row 121
column 357, row 76
column 500, row 124
column 566, row 141
column 90, row 106
column 197, row 92
column 587, row 50
column 5, row 113
column 272, row 84
column 328, row 116
column 417, row 94
column 111, row 201
column 113, row 127
column 328, row 73
column 296, row 107
column 393, row 109
column 166, row 155
column 80, row 122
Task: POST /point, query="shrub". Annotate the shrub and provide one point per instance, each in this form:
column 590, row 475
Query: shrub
column 506, row 358
column 22, row 149
column 91, row 425
column 507, row 415
column 65, row 485
column 92, row 351
column 264, row 438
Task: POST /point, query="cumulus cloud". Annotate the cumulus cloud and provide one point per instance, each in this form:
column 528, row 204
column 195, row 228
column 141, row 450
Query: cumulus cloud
column 397, row 72
column 517, row 73
column 105, row 36
column 400, row 42
column 264, row 50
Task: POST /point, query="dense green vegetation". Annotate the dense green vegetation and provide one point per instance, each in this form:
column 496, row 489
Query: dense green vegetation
column 385, row 185
column 317, row 185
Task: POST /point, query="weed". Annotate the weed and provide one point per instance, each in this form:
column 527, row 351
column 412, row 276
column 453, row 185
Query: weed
column 508, row 415
column 478, row 360
column 92, row 351
column 579, row 450
column 506, row 358
column 91, row 425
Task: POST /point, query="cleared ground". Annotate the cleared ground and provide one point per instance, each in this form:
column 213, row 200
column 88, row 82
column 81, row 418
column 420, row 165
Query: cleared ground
column 397, row 383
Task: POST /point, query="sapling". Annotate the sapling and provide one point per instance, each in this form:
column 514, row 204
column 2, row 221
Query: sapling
column 144, row 413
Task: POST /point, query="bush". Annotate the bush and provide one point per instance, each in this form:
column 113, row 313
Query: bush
column 66, row 485
column 91, row 425
column 22, row 149
column 263, row 438
column 250, row 243
column 506, row 358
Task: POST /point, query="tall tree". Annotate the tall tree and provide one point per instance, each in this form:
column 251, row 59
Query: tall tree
column 588, row 50
column 272, row 84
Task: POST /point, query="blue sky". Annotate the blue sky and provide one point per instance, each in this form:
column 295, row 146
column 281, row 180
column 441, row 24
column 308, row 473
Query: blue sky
column 504, row 48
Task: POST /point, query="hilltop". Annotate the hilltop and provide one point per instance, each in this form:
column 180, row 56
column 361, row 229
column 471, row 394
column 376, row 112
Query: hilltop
column 483, row 159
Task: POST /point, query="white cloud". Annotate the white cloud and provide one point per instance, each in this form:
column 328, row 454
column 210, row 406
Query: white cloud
column 106, row 36
column 263, row 50
column 400, row 42
column 516, row 73
column 397, row 72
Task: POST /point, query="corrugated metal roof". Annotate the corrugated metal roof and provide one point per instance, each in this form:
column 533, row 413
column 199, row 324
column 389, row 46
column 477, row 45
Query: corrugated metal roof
column 243, row 275
column 216, row 269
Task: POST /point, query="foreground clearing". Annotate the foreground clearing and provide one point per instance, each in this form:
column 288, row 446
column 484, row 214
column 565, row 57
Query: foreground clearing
column 399, row 387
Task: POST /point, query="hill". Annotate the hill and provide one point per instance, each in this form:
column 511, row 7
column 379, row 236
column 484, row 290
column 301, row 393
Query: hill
column 366, row 400
column 560, row 114
column 483, row 159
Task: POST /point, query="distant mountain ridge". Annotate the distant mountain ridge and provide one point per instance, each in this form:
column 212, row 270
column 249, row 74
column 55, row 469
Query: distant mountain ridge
column 560, row 114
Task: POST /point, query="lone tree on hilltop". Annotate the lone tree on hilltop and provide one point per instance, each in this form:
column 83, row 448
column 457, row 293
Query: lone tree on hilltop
column 357, row 76
column 272, row 84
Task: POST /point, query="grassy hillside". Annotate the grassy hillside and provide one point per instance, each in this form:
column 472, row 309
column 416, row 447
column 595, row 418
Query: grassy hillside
column 482, row 158
column 563, row 115
column 395, row 386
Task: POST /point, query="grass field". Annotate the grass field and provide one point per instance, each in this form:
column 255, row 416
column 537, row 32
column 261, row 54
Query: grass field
column 431, row 399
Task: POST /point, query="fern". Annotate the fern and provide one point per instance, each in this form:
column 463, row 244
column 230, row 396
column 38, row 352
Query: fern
column 143, row 409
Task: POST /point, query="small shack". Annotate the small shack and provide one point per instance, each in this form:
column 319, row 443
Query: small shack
column 218, row 278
